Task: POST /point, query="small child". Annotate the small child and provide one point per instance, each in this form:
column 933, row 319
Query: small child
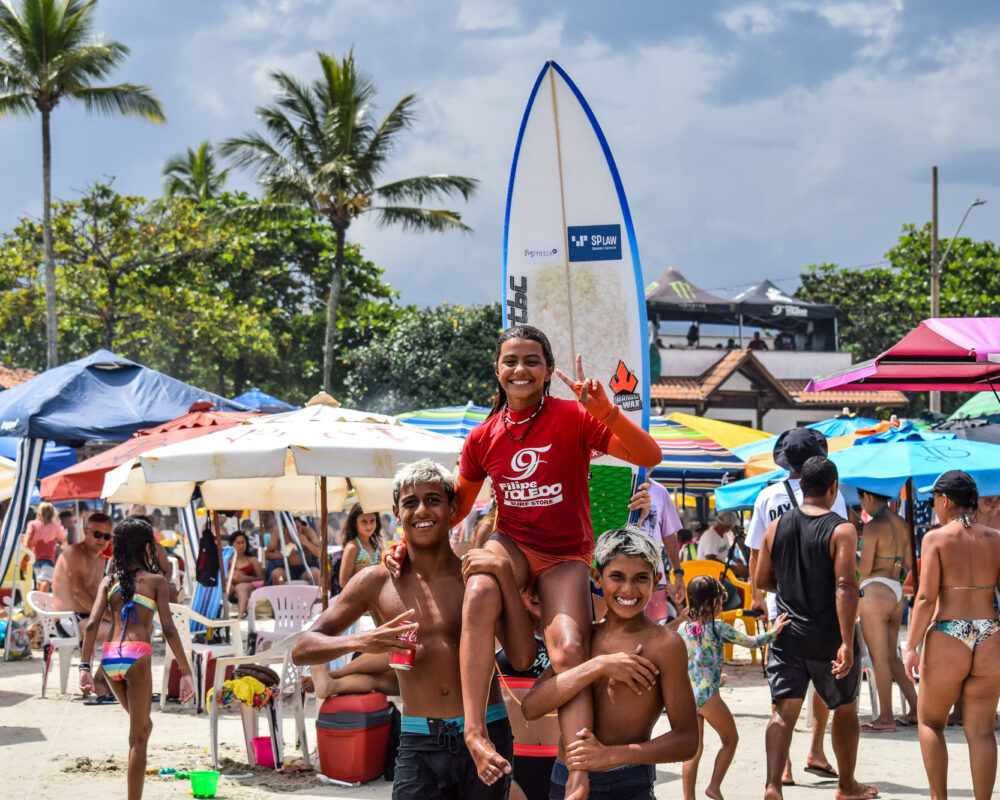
column 705, row 637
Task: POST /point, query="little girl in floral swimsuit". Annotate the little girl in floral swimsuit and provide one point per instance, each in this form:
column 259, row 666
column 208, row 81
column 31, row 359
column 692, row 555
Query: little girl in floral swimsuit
column 705, row 638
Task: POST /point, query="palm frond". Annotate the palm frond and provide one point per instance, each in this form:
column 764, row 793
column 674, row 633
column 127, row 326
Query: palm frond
column 126, row 99
column 16, row 104
column 383, row 139
column 436, row 220
column 257, row 214
column 427, row 187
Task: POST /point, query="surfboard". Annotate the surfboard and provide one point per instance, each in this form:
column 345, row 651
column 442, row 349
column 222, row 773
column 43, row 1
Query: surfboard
column 571, row 265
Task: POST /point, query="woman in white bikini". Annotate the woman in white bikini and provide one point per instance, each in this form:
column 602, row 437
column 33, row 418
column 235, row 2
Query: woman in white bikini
column 955, row 608
column 885, row 559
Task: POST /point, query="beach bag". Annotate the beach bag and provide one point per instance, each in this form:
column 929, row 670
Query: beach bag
column 207, row 573
column 335, row 587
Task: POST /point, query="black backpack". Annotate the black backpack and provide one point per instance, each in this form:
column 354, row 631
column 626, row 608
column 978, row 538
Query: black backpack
column 335, row 587
column 207, row 572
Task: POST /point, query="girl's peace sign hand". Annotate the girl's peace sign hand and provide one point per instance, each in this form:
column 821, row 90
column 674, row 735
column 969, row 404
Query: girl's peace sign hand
column 589, row 391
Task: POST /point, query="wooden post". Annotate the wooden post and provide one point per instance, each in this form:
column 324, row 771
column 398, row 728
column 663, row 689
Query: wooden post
column 217, row 529
column 911, row 502
column 324, row 564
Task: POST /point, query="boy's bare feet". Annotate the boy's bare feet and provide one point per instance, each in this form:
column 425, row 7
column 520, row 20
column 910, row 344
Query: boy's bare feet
column 490, row 765
column 772, row 792
column 858, row 792
column 786, row 775
column 715, row 792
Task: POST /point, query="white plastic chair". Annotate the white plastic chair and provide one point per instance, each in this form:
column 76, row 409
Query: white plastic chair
column 280, row 653
column 292, row 607
column 199, row 653
column 53, row 639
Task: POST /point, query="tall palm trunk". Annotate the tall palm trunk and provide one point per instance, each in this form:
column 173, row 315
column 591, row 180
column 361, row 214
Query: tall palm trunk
column 333, row 299
column 51, row 322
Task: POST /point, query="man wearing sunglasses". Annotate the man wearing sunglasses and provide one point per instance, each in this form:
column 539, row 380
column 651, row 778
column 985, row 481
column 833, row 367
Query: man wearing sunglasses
column 78, row 575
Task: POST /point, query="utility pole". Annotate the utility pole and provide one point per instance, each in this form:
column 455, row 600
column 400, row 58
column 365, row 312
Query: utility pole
column 934, row 399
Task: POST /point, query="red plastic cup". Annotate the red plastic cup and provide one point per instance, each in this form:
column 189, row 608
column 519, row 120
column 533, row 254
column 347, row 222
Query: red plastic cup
column 405, row 659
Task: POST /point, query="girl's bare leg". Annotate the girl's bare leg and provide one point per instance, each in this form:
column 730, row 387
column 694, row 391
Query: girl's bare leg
column 567, row 615
column 876, row 608
column 242, row 592
column 689, row 771
column 481, row 610
column 721, row 718
column 139, row 690
column 896, row 667
column 980, row 694
column 944, row 665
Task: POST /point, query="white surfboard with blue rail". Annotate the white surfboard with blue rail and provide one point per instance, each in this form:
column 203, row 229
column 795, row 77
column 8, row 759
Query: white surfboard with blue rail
column 571, row 265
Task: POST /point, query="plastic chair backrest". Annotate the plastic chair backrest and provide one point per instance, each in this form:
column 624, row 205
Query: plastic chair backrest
column 292, row 606
column 207, row 600
column 702, row 566
column 42, row 601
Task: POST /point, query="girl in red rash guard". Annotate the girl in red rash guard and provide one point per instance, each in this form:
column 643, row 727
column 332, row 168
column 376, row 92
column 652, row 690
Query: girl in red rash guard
column 536, row 449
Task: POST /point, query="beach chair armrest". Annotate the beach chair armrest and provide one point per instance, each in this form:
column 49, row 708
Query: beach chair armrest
column 272, row 654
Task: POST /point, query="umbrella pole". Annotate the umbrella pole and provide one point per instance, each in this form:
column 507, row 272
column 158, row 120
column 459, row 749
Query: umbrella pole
column 324, row 563
column 217, row 530
column 911, row 503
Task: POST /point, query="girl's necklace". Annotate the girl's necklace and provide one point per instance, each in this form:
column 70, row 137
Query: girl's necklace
column 880, row 512
column 530, row 421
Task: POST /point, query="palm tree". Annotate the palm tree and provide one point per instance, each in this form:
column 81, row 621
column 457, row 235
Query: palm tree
column 50, row 55
column 325, row 150
column 194, row 175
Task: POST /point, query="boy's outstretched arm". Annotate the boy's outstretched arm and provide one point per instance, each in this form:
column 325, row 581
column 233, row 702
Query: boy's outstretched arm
column 552, row 691
column 679, row 744
column 322, row 642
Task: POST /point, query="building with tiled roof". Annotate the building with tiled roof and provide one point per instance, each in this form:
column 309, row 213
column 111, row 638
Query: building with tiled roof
column 11, row 376
column 762, row 389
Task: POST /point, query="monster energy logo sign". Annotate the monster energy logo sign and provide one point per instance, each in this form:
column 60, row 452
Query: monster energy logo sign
column 682, row 289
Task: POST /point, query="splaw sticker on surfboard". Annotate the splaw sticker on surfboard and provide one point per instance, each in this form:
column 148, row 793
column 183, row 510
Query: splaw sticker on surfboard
column 571, row 265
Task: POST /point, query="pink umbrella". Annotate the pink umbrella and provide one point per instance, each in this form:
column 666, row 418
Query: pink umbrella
column 958, row 354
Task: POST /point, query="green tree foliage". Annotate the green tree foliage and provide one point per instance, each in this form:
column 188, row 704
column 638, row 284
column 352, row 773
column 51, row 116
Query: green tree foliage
column 430, row 358
column 50, row 55
column 194, row 175
column 325, row 151
column 876, row 307
column 218, row 304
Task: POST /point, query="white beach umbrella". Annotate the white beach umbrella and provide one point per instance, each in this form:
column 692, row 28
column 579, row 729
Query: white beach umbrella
column 277, row 462
column 8, row 469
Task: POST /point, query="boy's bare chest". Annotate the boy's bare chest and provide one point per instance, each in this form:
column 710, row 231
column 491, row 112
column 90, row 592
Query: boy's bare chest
column 437, row 607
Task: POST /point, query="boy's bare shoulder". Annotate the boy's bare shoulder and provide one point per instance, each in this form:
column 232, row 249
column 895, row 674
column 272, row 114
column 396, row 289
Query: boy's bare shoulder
column 664, row 643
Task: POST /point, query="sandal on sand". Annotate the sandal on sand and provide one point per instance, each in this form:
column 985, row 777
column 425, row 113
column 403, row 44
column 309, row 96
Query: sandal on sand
column 906, row 723
column 871, row 727
column 101, row 700
column 823, row 772
column 787, row 783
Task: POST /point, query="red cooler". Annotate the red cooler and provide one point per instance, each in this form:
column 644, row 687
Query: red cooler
column 352, row 735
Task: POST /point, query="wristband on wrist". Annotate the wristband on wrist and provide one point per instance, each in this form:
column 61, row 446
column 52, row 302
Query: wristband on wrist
column 84, row 666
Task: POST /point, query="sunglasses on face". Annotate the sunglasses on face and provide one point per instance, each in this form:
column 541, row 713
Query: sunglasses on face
column 100, row 535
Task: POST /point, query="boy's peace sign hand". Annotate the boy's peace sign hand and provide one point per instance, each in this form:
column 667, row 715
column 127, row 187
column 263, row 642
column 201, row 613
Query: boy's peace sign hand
column 589, row 391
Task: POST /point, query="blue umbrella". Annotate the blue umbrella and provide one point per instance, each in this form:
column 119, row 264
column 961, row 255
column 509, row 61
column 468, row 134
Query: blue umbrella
column 841, row 426
column 886, row 469
column 741, row 495
column 257, row 400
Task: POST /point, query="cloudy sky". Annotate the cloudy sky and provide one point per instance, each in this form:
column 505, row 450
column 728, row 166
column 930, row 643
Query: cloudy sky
column 752, row 138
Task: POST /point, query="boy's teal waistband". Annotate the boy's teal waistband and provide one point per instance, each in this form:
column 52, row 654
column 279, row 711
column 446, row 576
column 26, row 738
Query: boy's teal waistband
column 420, row 724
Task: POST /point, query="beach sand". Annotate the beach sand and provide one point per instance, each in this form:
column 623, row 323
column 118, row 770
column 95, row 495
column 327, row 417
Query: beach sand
column 59, row 748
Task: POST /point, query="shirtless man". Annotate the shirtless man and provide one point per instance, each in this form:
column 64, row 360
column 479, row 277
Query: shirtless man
column 637, row 670
column 78, row 575
column 427, row 597
column 276, row 566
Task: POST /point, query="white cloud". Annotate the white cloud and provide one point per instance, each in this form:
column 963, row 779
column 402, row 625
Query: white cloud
column 487, row 15
column 751, row 20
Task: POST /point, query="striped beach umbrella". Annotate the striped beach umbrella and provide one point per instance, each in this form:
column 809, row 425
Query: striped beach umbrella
column 449, row 420
column 692, row 462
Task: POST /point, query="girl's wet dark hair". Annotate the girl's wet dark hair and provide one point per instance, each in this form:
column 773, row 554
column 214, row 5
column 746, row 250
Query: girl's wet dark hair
column 531, row 333
column 133, row 551
column 703, row 591
column 878, row 498
column 241, row 534
column 351, row 525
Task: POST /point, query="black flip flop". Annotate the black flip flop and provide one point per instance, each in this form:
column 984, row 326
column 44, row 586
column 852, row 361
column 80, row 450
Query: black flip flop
column 823, row 772
column 101, row 700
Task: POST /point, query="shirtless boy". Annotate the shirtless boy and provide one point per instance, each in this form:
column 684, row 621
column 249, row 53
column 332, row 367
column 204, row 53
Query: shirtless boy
column 433, row 761
column 636, row 670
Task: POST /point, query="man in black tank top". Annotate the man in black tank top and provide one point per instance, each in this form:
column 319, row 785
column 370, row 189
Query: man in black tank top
column 808, row 559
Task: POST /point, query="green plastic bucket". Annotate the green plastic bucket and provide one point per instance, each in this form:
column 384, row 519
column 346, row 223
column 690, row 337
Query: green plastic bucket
column 204, row 783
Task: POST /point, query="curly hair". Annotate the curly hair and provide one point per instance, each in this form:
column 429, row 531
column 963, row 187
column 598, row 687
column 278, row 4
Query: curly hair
column 351, row 525
column 703, row 592
column 133, row 552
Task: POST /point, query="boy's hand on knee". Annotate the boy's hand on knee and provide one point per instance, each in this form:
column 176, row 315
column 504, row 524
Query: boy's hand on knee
column 588, row 754
column 483, row 562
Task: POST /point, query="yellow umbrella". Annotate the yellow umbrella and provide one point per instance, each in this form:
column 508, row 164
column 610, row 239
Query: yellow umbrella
column 725, row 433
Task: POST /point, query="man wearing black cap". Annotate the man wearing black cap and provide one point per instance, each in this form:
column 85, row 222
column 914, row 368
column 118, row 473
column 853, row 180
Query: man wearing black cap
column 793, row 448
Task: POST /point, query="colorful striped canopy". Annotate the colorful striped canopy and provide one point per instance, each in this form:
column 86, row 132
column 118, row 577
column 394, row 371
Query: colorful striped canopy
column 449, row 420
column 691, row 461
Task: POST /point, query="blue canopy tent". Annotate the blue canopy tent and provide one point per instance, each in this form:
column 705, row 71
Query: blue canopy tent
column 55, row 458
column 102, row 396
column 256, row 400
